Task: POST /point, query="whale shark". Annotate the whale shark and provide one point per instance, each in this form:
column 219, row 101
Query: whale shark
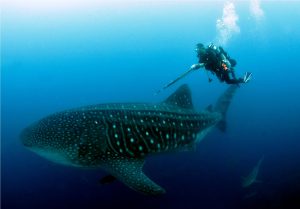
column 252, row 176
column 117, row 137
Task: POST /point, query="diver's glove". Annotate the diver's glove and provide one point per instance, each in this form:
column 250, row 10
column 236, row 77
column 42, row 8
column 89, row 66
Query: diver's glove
column 197, row 66
column 247, row 77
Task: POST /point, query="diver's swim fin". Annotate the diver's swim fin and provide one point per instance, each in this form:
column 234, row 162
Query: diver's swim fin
column 247, row 77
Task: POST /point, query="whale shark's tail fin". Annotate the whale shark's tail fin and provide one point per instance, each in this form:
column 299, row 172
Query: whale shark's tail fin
column 223, row 103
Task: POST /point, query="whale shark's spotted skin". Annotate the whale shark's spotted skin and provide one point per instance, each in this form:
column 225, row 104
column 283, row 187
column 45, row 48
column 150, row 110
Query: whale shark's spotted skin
column 117, row 137
column 136, row 130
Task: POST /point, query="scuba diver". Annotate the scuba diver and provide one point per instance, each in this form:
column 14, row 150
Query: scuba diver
column 217, row 61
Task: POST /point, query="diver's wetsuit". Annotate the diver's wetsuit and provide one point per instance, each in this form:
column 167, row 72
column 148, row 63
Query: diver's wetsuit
column 213, row 60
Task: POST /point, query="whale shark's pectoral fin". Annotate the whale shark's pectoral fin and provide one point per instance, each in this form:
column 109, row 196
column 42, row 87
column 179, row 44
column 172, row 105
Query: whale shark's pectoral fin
column 129, row 171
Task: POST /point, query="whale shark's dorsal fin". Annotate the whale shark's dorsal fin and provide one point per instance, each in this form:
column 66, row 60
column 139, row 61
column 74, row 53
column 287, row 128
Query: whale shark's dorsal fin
column 181, row 97
column 129, row 171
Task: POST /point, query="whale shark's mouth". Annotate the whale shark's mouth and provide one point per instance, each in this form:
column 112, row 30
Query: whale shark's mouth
column 54, row 156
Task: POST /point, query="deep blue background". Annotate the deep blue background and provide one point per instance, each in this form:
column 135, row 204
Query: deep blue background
column 52, row 61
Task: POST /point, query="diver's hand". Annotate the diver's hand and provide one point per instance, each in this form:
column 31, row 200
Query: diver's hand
column 247, row 77
column 197, row 66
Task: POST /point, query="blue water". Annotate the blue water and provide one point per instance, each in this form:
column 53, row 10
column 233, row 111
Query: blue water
column 58, row 58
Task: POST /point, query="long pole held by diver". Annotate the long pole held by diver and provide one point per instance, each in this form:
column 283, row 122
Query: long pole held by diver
column 193, row 67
